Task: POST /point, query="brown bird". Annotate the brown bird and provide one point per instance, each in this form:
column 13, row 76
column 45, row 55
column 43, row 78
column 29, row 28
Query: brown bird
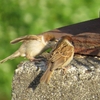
column 60, row 57
column 32, row 45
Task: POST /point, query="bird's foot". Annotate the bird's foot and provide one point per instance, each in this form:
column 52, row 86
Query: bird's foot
column 65, row 69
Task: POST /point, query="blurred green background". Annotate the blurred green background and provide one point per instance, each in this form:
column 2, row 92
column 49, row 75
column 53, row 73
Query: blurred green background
column 23, row 17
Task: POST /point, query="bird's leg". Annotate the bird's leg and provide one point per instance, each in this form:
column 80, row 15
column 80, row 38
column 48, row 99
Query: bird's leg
column 65, row 69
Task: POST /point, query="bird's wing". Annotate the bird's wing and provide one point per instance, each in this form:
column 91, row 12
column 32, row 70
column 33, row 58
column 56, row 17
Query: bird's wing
column 63, row 50
column 60, row 55
column 24, row 38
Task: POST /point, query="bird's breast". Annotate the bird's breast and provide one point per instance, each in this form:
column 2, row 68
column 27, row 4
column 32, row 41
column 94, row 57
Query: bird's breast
column 34, row 47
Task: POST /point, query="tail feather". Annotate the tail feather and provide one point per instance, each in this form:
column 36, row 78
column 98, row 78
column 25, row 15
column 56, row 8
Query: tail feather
column 46, row 76
column 14, row 55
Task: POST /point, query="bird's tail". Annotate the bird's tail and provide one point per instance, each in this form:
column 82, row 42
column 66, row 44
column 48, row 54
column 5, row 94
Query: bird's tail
column 14, row 55
column 46, row 76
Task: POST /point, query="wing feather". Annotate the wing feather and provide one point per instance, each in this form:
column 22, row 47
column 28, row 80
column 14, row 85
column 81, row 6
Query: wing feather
column 24, row 38
column 60, row 55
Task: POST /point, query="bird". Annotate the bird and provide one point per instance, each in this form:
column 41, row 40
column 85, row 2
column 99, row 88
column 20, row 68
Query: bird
column 32, row 46
column 59, row 58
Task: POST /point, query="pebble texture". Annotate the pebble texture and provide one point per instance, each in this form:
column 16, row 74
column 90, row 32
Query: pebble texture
column 80, row 82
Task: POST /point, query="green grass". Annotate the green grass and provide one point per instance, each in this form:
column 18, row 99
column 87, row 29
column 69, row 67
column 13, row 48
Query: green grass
column 23, row 17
